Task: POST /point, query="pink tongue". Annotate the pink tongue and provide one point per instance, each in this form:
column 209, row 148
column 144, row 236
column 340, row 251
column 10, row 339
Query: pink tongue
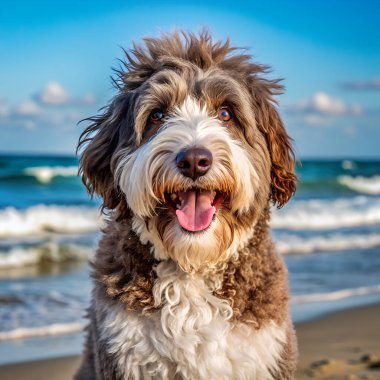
column 196, row 213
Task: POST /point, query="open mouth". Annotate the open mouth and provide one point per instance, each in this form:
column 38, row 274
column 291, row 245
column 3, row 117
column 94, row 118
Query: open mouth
column 195, row 208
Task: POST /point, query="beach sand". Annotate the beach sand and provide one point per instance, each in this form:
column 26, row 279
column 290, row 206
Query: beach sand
column 344, row 345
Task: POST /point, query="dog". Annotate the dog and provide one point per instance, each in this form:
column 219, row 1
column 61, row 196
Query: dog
column 188, row 158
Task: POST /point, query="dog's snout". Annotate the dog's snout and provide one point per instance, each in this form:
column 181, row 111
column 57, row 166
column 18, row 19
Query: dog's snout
column 194, row 162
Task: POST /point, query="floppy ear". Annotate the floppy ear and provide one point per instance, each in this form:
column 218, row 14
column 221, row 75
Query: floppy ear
column 98, row 142
column 283, row 178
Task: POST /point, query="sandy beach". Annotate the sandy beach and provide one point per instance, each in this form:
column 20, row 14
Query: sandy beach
column 343, row 345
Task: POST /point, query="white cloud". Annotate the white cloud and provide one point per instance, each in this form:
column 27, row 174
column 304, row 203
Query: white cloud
column 27, row 108
column 30, row 115
column 323, row 104
column 36, row 112
column 53, row 94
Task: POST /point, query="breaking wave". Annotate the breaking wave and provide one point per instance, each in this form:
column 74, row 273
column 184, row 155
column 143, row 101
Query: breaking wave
column 45, row 174
column 50, row 330
column 49, row 252
column 289, row 244
column 366, row 185
column 336, row 295
column 328, row 214
column 42, row 219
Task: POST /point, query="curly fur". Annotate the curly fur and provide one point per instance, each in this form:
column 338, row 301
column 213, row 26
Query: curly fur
column 185, row 333
column 169, row 304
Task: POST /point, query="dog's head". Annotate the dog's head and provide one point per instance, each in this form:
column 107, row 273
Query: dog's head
column 193, row 145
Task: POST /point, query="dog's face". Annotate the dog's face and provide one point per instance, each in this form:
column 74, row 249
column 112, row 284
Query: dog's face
column 193, row 145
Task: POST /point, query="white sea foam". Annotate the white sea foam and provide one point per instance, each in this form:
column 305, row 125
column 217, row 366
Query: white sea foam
column 51, row 251
column 54, row 329
column 45, row 174
column 42, row 219
column 328, row 214
column 337, row 295
column 295, row 244
column 366, row 185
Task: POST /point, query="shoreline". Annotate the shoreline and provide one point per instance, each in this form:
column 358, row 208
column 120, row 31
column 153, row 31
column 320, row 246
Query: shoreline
column 341, row 345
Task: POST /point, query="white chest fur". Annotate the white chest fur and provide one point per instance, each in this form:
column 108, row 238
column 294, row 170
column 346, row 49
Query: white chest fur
column 190, row 337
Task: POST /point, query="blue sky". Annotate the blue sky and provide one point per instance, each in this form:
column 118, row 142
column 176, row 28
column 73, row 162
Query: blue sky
column 56, row 59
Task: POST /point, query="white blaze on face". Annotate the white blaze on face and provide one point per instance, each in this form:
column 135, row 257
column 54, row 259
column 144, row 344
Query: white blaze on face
column 144, row 172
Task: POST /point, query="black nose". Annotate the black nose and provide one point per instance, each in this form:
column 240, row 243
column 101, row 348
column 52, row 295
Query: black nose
column 194, row 162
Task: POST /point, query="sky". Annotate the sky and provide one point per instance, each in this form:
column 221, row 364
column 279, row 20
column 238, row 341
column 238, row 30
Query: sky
column 56, row 59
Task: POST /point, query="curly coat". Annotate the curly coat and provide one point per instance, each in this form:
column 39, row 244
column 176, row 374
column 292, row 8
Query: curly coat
column 248, row 277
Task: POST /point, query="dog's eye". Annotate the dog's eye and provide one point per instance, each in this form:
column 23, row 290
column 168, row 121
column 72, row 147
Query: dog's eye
column 224, row 114
column 156, row 116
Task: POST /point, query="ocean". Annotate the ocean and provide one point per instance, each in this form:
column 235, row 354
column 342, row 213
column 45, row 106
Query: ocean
column 329, row 235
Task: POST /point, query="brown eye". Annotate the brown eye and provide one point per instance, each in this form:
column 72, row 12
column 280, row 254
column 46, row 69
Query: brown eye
column 224, row 114
column 156, row 116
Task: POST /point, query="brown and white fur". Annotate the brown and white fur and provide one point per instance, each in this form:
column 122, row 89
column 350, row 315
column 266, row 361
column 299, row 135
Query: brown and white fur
column 189, row 298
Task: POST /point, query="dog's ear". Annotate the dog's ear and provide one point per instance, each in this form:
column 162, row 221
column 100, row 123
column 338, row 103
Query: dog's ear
column 98, row 143
column 283, row 178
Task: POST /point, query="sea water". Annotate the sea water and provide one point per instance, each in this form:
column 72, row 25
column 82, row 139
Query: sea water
column 329, row 235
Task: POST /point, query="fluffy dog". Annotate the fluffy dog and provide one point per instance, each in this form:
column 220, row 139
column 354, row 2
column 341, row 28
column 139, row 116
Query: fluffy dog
column 188, row 157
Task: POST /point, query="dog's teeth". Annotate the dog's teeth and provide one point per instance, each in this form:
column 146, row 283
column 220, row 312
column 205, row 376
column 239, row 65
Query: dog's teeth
column 213, row 193
column 173, row 196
